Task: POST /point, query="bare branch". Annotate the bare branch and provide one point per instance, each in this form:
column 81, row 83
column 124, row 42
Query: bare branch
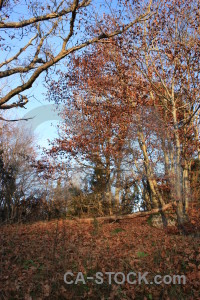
column 14, row 120
column 19, row 52
column 46, row 17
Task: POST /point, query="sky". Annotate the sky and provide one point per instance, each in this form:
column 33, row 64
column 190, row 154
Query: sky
column 42, row 113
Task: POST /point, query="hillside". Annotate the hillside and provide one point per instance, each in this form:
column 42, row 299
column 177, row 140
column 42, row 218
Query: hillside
column 35, row 257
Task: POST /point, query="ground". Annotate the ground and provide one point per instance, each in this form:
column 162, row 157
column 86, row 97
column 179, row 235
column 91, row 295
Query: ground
column 35, row 257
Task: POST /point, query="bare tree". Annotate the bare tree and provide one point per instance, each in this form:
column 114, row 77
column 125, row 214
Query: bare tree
column 18, row 178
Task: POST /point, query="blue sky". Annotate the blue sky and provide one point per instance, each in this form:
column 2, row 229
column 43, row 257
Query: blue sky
column 44, row 119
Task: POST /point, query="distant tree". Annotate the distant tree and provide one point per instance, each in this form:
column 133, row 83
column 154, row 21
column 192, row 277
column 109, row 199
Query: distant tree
column 18, row 177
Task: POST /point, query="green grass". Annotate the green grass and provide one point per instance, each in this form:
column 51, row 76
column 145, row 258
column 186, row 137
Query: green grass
column 117, row 230
column 142, row 254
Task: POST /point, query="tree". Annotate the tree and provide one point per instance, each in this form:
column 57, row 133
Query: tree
column 49, row 33
column 169, row 63
column 18, row 179
column 104, row 108
column 153, row 69
column 95, row 133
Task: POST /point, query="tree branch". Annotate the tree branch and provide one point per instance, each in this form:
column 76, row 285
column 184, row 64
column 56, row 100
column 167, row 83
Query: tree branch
column 46, row 17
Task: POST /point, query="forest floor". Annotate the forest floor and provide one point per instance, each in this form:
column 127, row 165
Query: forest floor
column 35, row 257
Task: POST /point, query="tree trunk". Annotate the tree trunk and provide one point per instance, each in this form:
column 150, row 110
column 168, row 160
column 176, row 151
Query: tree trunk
column 186, row 186
column 155, row 196
column 180, row 211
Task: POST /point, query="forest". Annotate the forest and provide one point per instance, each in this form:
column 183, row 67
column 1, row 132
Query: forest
column 118, row 187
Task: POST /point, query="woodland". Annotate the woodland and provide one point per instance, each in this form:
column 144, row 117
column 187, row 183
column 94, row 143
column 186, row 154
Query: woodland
column 118, row 188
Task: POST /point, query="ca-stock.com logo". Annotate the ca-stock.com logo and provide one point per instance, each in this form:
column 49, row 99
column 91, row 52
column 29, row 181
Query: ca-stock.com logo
column 42, row 114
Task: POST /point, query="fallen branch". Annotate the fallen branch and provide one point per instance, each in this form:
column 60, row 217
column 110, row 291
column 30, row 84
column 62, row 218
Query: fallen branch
column 129, row 216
